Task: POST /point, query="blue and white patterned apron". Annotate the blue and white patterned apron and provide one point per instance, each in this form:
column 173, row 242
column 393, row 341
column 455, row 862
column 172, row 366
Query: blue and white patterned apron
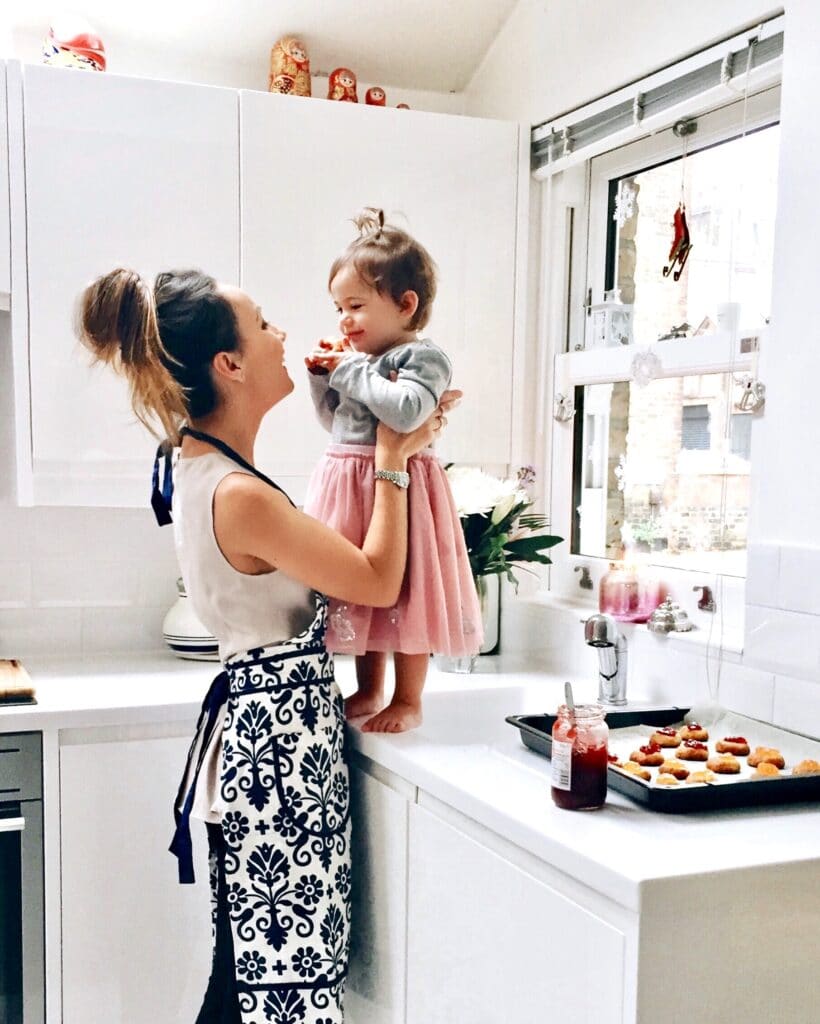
column 281, row 869
column 286, row 830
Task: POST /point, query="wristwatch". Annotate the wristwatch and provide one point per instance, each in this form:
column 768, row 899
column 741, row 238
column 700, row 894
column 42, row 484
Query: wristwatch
column 395, row 476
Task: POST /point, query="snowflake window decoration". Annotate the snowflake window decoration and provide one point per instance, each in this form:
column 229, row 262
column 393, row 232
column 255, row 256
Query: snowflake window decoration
column 625, row 202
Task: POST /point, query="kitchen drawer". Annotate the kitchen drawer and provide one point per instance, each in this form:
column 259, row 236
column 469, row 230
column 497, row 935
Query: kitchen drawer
column 21, row 776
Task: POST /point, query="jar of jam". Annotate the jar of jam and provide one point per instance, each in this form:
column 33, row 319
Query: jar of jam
column 579, row 757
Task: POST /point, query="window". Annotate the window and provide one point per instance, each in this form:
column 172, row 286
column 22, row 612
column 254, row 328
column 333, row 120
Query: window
column 657, row 456
column 694, row 432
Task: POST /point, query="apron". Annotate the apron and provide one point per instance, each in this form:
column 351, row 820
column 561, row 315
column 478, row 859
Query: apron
column 282, row 867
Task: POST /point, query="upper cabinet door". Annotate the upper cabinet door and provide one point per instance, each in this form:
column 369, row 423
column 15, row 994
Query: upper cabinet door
column 118, row 172
column 5, row 241
column 307, row 167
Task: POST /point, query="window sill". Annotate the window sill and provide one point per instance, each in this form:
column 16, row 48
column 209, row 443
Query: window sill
column 701, row 640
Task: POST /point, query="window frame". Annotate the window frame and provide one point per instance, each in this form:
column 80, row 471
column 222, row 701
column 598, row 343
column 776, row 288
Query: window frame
column 573, row 276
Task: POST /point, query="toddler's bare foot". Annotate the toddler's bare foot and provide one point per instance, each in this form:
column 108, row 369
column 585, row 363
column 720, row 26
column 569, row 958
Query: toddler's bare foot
column 360, row 703
column 398, row 716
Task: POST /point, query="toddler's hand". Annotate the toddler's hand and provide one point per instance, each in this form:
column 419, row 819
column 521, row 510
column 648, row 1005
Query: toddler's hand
column 327, row 355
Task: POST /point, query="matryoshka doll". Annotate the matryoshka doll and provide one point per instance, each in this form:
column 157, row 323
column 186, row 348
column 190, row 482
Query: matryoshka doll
column 289, row 67
column 375, row 96
column 72, row 43
column 402, row 106
column 341, row 85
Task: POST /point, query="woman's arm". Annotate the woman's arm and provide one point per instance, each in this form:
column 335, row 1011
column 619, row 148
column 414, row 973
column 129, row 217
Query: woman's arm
column 253, row 520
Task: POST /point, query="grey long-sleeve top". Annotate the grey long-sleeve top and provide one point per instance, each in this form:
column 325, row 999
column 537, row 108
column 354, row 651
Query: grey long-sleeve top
column 359, row 393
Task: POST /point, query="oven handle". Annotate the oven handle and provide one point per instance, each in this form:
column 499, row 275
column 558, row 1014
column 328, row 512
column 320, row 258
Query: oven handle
column 12, row 824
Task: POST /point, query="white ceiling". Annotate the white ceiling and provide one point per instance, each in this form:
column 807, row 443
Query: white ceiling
column 412, row 44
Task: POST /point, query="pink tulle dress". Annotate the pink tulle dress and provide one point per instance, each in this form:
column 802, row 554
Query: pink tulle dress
column 437, row 610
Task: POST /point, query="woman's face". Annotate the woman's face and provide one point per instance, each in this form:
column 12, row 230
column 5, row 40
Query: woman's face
column 262, row 349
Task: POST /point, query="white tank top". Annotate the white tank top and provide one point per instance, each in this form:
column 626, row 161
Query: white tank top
column 242, row 611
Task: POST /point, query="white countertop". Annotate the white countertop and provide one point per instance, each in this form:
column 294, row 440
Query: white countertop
column 468, row 757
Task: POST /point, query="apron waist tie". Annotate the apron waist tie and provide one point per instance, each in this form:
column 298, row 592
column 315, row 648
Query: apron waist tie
column 181, row 846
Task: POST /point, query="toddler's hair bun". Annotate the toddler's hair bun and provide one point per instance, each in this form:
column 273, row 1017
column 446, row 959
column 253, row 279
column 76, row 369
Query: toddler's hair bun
column 370, row 222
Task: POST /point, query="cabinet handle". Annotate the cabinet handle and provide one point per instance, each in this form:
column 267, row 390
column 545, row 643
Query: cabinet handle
column 12, row 824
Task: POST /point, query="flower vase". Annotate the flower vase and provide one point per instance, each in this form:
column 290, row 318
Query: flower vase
column 489, row 601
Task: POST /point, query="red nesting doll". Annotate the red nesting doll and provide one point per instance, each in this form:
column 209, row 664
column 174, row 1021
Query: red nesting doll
column 375, row 96
column 341, row 85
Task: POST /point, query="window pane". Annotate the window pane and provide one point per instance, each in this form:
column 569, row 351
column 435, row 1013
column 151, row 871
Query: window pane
column 730, row 193
column 664, row 469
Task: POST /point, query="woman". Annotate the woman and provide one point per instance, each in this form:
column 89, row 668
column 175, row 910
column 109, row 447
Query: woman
column 266, row 770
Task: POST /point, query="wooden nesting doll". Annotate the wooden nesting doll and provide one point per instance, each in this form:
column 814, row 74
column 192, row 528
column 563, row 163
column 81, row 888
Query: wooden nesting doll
column 72, row 43
column 289, row 67
column 375, row 96
column 402, row 106
column 341, row 85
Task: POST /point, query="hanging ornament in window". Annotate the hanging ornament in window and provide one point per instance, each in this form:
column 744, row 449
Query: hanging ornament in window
column 564, row 408
column 752, row 393
column 646, row 367
column 625, row 201
column 610, row 322
column 681, row 243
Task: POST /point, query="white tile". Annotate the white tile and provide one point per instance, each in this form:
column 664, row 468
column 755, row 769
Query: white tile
column 58, row 583
column 782, row 641
column 799, row 588
column 111, row 630
column 16, row 532
column 762, row 581
column 747, row 691
column 15, row 583
column 29, row 631
column 797, row 705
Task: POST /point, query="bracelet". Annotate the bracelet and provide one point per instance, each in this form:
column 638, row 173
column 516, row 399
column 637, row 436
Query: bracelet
column 395, row 476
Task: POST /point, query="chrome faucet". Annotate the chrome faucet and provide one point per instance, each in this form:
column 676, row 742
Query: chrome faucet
column 602, row 631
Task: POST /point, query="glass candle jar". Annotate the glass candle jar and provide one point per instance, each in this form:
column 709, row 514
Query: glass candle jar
column 629, row 594
column 579, row 757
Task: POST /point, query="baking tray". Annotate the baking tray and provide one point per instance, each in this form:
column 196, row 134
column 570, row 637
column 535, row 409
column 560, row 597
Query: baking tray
column 726, row 792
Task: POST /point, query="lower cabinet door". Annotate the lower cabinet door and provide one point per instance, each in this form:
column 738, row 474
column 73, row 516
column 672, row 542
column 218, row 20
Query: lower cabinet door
column 490, row 944
column 136, row 944
column 376, row 984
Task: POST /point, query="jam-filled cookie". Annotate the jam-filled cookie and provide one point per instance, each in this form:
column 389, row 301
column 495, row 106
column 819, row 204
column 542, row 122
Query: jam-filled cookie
column 737, row 745
column 676, row 768
column 766, row 771
column 770, row 754
column 636, row 769
column 667, row 737
column 650, row 756
column 705, row 776
column 693, row 750
column 807, row 767
column 723, row 764
column 694, row 731
column 666, row 780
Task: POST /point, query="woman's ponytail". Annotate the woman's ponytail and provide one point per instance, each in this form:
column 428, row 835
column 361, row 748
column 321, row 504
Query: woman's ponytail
column 117, row 322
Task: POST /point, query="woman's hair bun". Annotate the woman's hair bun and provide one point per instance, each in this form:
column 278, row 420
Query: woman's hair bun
column 117, row 322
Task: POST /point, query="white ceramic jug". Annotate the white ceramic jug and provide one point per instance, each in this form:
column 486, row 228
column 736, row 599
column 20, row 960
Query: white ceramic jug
column 185, row 634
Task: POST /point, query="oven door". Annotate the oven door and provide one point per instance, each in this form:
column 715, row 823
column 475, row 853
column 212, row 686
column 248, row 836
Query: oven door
column 22, row 944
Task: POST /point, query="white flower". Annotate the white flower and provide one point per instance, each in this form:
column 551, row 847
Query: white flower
column 475, row 491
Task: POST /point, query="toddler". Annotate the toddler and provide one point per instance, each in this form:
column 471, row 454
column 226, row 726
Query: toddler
column 383, row 286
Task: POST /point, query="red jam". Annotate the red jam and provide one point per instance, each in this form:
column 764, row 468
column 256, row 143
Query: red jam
column 612, row 758
column 693, row 725
column 650, row 748
column 695, row 745
column 667, row 732
column 735, row 739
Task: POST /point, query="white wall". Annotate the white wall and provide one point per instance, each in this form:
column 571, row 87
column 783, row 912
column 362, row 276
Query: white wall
column 553, row 55
column 550, row 58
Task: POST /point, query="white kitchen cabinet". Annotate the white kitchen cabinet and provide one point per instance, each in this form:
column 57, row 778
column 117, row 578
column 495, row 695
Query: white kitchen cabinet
column 118, row 172
column 307, row 168
column 376, row 983
column 490, row 944
column 5, row 241
column 136, row 944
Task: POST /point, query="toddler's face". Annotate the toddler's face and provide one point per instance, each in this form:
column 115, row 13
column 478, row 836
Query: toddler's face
column 372, row 322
